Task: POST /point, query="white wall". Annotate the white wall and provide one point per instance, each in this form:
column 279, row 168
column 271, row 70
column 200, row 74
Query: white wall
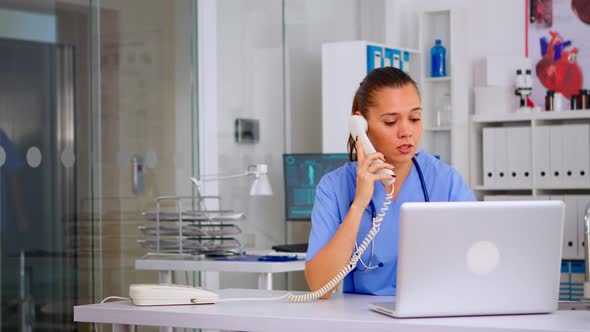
column 308, row 24
column 250, row 85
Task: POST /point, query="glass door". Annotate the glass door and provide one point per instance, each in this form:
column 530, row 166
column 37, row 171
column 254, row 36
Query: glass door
column 38, row 207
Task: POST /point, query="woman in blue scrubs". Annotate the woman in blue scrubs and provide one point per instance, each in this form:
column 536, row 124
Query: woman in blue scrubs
column 349, row 197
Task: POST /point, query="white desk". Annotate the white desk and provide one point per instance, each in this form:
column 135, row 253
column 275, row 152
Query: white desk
column 342, row 312
column 165, row 265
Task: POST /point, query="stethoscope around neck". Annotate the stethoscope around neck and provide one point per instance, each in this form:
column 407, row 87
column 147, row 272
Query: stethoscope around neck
column 369, row 266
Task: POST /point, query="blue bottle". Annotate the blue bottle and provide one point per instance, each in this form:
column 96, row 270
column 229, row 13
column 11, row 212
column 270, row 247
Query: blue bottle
column 438, row 60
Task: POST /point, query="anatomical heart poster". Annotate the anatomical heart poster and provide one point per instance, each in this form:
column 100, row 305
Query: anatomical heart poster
column 559, row 47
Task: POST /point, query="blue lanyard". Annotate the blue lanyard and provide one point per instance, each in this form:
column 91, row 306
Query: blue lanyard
column 422, row 182
column 369, row 266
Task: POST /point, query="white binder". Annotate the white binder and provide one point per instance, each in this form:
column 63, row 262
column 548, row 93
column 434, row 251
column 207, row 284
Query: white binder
column 581, row 154
column 489, row 175
column 501, row 157
column 556, row 154
column 541, row 146
column 570, row 226
column 569, row 154
column 582, row 201
column 519, row 156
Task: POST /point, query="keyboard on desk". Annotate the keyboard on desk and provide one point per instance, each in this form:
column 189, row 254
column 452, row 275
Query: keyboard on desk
column 295, row 247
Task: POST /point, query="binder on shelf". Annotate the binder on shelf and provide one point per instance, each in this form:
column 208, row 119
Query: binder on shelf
column 519, row 156
column 582, row 202
column 570, row 157
column 406, row 62
column 374, row 57
column 489, row 175
column 581, row 153
column 556, row 154
column 570, row 226
column 542, row 161
column 392, row 58
column 501, row 156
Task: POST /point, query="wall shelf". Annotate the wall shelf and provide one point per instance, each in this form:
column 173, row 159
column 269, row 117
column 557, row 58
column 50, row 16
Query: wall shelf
column 540, row 116
column 436, row 92
column 556, row 146
column 501, row 188
column 438, row 129
column 553, row 188
column 437, row 79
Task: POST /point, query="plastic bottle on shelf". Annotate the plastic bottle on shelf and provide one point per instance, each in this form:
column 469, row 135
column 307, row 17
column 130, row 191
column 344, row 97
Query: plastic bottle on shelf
column 558, row 99
column 443, row 112
column 438, row 59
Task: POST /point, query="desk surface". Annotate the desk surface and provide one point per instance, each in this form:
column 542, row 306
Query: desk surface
column 343, row 312
column 197, row 264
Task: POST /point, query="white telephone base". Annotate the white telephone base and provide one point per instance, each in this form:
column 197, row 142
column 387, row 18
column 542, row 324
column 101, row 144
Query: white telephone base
column 168, row 294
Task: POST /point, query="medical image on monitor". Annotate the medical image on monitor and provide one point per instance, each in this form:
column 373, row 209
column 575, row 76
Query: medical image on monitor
column 303, row 172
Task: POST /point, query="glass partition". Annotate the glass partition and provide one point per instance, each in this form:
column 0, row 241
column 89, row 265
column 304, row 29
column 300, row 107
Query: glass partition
column 251, row 86
column 38, row 180
column 144, row 122
column 97, row 119
column 307, row 25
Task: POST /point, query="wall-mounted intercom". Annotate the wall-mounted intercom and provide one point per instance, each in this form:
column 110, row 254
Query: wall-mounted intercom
column 247, row 131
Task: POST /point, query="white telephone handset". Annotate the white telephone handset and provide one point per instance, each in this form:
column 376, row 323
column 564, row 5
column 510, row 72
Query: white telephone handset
column 358, row 128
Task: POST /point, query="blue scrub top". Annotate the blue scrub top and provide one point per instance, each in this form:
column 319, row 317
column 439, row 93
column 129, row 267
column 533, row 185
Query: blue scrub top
column 334, row 195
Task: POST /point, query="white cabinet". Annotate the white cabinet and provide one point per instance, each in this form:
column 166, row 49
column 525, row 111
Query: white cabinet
column 344, row 66
column 445, row 100
column 553, row 147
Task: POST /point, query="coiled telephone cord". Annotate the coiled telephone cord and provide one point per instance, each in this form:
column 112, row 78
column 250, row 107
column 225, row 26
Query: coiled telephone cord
column 312, row 296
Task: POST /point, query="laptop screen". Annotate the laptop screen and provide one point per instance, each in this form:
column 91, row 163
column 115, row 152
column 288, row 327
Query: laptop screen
column 302, row 172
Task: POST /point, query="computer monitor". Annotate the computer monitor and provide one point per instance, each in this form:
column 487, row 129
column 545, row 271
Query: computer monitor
column 302, row 172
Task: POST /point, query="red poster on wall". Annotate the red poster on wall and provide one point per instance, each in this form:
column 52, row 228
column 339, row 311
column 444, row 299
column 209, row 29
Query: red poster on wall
column 559, row 46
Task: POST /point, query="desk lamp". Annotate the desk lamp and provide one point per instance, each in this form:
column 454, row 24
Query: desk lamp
column 260, row 185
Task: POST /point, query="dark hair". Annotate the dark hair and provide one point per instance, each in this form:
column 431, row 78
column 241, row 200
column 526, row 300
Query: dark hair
column 387, row 77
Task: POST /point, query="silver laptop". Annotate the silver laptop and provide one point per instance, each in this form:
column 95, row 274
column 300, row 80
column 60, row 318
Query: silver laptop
column 477, row 258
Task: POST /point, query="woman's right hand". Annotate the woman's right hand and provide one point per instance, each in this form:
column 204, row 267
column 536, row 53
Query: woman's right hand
column 366, row 175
